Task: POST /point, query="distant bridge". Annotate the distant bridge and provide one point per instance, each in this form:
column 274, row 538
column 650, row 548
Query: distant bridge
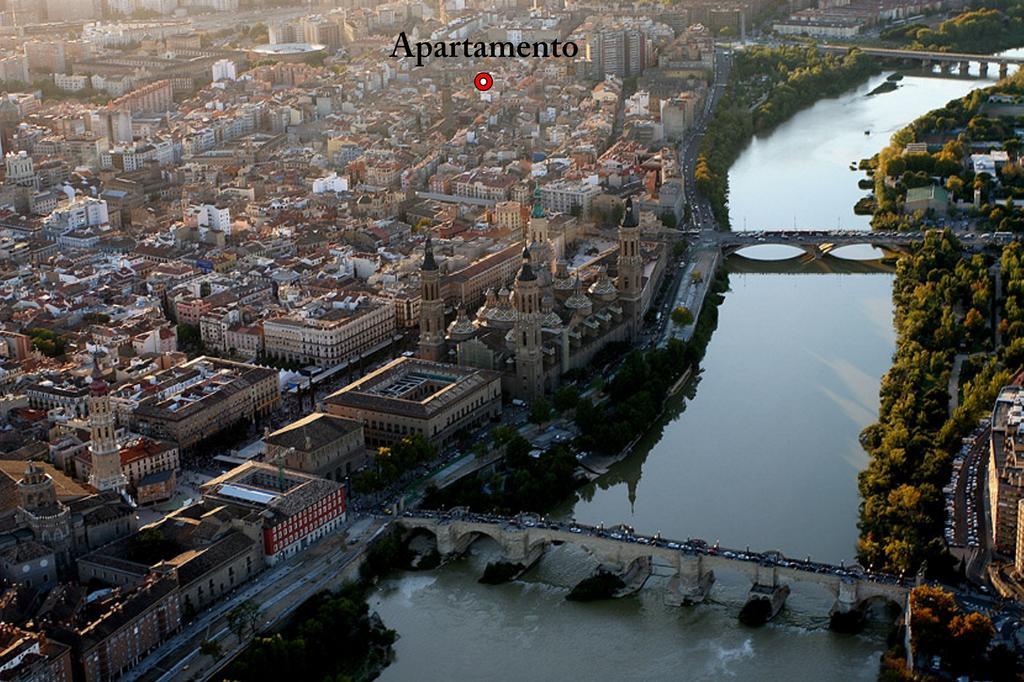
column 523, row 539
column 820, row 242
column 815, row 243
column 927, row 58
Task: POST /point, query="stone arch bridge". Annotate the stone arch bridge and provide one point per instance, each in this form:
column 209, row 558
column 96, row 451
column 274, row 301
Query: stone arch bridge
column 524, row 539
column 818, row 243
column 815, row 243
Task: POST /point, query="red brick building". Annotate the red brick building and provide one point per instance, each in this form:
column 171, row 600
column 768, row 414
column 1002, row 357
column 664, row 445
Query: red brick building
column 132, row 627
column 297, row 509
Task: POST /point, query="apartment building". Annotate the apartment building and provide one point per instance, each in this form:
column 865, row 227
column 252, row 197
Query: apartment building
column 329, row 331
column 1006, row 468
column 569, row 196
column 203, row 397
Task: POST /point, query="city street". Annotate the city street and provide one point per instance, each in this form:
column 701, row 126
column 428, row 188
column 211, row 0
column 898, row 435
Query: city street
column 278, row 591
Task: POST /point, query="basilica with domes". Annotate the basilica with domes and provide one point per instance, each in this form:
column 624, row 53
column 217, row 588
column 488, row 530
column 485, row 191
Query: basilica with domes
column 567, row 302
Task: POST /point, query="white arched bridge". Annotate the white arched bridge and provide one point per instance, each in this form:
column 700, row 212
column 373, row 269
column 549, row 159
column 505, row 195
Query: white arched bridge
column 524, row 538
column 818, row 243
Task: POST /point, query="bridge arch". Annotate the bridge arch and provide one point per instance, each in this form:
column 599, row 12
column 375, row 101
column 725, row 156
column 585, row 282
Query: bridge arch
column 539, row 545
column 462, row 541
column 859, row 252
column 418, row 531
column 880, row 603
column 765, row 251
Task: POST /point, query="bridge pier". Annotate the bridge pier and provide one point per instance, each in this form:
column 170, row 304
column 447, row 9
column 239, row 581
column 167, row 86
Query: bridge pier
column 766, row 597
column 519, row 553
column 815, row 251
column 848, row 614
column 965, row 68
column 517, row 548
column 926, row 64
column 448, row 545
column 1003, row 69
column 635, row 575
column 846, row 597
column 691, row 583
column 945, row 67
column 983, row 68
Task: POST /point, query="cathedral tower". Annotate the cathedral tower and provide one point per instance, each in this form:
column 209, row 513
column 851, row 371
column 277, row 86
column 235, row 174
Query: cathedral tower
column 631, row 268
column 537, row 228
column 431, row 308
column 106, row 471
column 40, row 510
column 527, row 332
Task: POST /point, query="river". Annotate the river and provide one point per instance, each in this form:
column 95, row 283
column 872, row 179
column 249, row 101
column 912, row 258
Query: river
column 762, row 451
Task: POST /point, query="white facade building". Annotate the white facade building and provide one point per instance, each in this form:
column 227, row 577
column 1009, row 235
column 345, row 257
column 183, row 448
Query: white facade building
column 224, row 70
column 330, row 183
column 81, row 212
column 20, row 170
column 213, row 217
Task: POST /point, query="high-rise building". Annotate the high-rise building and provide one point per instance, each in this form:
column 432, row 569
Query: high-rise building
column 620, row 52
column 45, row 56
column 678, row 113
column 320, row 31
column 432, row 328
column 224, row 70
column 105, row 453
column 284, row 32
column 1006, row 468
column 113, row 124
column 14, row 67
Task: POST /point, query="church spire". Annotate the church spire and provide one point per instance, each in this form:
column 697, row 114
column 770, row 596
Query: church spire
column 538, row 207
column 431, row 346
column 428, row 256
column 526, row 271
column 526, row 333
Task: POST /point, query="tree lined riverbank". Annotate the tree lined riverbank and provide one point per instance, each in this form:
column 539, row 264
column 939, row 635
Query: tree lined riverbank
column 767, row 87
column 997, row 26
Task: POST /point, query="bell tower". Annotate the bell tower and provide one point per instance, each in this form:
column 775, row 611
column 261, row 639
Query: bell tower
column 527, row 332
column 45, row 515
column 431, row 346
column 537, row 229
column 106, row 471
column 631, row 268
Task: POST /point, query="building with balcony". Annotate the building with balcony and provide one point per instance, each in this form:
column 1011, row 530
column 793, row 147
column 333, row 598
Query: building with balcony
column 329, row 331
column 202, row 398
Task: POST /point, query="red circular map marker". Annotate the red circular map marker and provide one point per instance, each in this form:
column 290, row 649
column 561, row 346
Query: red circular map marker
column 483, row 81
